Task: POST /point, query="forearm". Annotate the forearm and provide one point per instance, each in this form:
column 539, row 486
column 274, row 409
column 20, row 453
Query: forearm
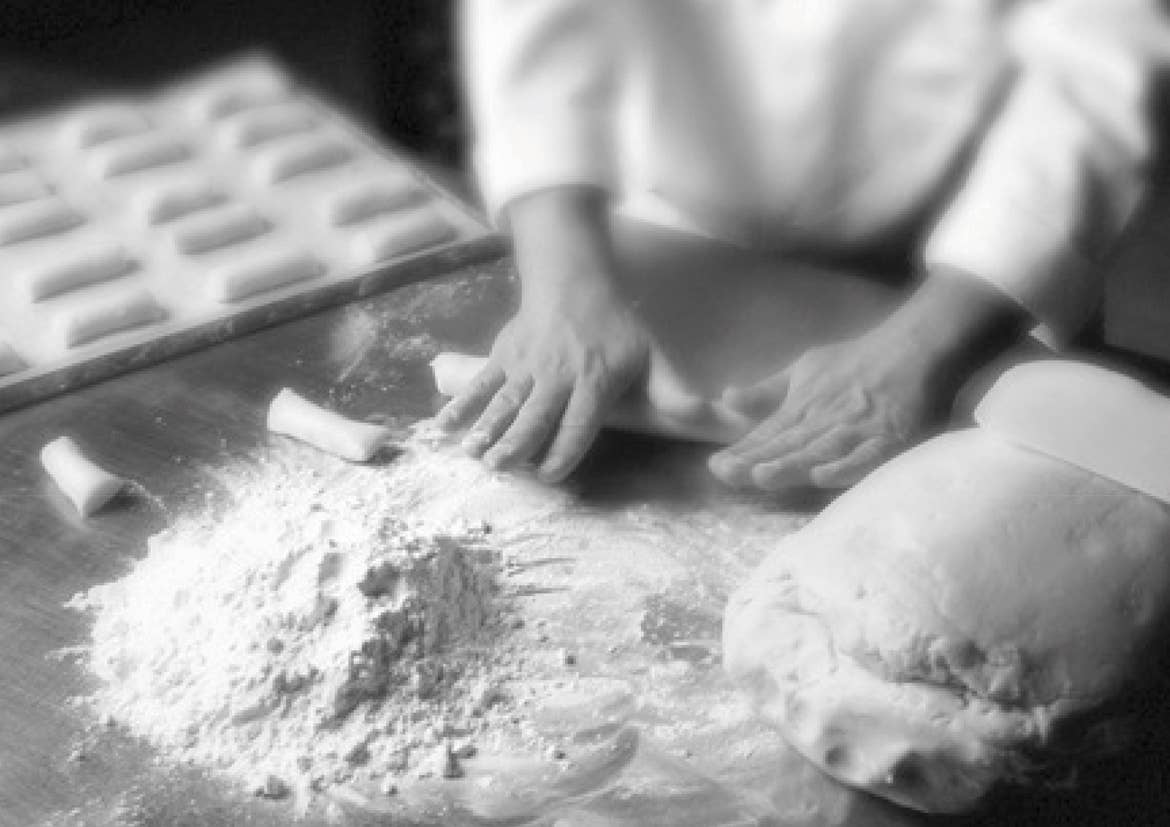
column 953, row 323
column 562, row 245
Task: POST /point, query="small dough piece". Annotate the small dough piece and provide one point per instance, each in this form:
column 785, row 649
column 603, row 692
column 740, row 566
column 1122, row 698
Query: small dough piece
column 218, row 228
column 102, row 124
column 73, row 270
column 398, row 235
column 971, row 613
column 172, row 202
column 261, row 270
column 37, row 219
column 369, row 200
column 138, row 155
column 22, row 187
column 108, row 313
column 246, row 130
column 10, row 362
column 300, row 156
column 87, row 485
column 293, row 415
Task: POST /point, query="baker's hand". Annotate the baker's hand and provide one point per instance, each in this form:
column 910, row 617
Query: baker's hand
column 835, row 414
column 552, row 375
column 841, row 410
column 571, row 350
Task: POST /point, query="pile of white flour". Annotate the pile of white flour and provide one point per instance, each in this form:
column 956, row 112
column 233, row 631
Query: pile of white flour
column 332, row 623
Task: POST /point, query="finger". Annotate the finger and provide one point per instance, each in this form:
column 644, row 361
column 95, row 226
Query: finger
column 794, row 468
column 579, row 427
column 775, row 437
column 463, row 406
column 531, row 429
column 760, row 399
column 851, row 468
column 497, row 416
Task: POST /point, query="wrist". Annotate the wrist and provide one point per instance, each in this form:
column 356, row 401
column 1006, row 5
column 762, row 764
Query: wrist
column 953, row 323
column 562, row 245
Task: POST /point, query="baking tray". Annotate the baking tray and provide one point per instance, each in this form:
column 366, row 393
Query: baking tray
column 112, row 185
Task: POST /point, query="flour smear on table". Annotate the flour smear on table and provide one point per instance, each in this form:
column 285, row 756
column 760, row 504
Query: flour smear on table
column 334, row 627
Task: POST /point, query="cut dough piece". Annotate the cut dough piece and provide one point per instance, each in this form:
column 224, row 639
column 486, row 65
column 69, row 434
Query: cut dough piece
column 138, row 155
column 258, row 271
column 369, row 200
column 102, row 124
column 77, row 269
column 250, row 129
column 1121, row 429
column 967, row 615
column 171, row 202
column 22, row 187
column 300, row 156
column 37, row 219
column 666, row 407
column 293, row 415
column 399, row 234
column 105, row 314
column 87, row 485
column 218, row 228
column 10, row 362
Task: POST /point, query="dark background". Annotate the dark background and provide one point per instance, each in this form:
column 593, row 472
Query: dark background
column 390, row 61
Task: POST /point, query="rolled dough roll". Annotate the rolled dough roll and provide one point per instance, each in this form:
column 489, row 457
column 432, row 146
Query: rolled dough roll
column 158, row 206
column 295, row 157
column 36, row 219
column 109, row 313
column 87, row 485
column 399, row 234
column 267, row 269
column 138, row 154
column 218, row 228
column 250, row 129
column 78, row 269
column 665, row 408
column 293, row 415
column 960, row 618
column 368, row 200
column 102, row 124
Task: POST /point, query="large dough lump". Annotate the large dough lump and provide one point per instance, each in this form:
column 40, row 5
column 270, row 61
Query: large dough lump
column 958, row 619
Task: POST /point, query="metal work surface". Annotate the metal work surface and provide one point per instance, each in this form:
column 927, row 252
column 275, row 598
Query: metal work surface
column 168, row 425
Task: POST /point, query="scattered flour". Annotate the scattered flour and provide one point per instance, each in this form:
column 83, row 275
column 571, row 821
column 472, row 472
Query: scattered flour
column 332, row 623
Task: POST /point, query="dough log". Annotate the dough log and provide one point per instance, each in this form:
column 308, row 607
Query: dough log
column 665, row 408
column 961, row 618
column 293, row 415
column 87, row 485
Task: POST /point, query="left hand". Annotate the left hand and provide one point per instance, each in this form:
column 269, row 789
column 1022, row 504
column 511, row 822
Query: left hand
column 832, row 416
column 841, row 410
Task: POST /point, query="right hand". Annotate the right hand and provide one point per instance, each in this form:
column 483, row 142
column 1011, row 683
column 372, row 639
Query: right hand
column 570, row 351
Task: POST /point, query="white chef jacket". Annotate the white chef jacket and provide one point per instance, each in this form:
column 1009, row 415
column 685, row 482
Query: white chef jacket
column 1006, row 138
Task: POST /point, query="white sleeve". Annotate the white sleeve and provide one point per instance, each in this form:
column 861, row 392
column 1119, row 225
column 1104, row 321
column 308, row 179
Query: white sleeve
column 539, row 80
column 1064, row 163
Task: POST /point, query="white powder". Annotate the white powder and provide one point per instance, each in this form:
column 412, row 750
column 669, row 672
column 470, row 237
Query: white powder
column 332, row 623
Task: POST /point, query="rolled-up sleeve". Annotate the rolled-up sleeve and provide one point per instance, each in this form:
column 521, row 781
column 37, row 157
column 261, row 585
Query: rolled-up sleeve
column 539, row 77
column 1062, row 167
